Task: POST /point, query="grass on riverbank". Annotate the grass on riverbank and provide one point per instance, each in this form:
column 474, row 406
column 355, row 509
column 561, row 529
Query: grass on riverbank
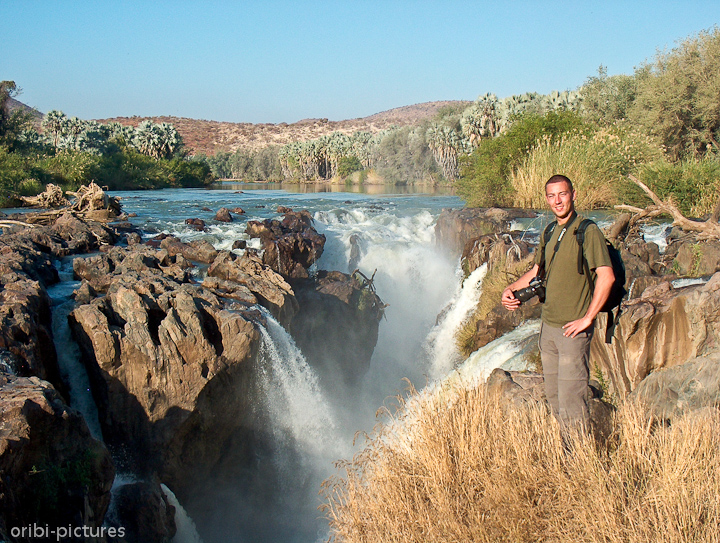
column 464, row 469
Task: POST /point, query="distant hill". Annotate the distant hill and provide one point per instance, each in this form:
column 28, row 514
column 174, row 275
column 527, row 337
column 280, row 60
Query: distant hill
column 37, row 117
column 210, row 137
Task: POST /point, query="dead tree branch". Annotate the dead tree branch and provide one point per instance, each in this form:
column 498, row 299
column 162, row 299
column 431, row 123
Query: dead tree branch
column 709, row 229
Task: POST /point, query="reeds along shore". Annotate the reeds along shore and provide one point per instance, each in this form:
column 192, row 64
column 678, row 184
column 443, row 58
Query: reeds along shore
column 468, row 469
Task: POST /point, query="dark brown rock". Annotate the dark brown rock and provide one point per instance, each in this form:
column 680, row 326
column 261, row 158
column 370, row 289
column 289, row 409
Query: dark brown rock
column 52, row 472
column 337, row 324
column 223, row 215
column 143, row 511
column 197, row 224
column 290, row 246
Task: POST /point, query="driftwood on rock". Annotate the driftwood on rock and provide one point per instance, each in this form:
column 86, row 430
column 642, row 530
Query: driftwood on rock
column 709, row 229
column 90, row 202
column 53, row 197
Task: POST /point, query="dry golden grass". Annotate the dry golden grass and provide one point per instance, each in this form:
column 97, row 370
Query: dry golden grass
column 459, row 468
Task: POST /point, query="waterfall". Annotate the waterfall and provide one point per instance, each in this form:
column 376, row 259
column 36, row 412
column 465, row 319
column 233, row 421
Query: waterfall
column 73, row 372
column 292, row 389
column 412, row 276
column 186, row 530
column 441, row 344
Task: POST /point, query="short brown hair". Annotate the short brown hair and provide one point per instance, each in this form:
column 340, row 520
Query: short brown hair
column 557, row 178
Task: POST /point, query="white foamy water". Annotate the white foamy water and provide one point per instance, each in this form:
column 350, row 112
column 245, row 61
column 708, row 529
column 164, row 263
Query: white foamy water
column 507, row 352
column 292, row 389
column 72, row 370
column 441, row 342
column 186, row 530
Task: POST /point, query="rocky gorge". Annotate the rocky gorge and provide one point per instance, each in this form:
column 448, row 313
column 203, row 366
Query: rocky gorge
column 171, row 360
column 173, row 356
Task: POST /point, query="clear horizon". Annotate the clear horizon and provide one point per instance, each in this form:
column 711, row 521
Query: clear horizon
column 281, row 61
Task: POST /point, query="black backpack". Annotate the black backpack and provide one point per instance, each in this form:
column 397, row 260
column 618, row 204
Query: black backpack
column 617, row 292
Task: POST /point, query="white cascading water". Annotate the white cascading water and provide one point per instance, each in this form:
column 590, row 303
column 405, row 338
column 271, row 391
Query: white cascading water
column 441, row 345
column 411, row 275
column 72, row 370
column 186, row 532
column 292, row 390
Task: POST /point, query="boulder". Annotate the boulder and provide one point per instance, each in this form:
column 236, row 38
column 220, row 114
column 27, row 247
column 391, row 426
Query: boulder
column 83, row 236
column 673, row 392
column 142, row 510
column 269, row 287
column 26, row 327
column 197, row 224
column 223, row 215
column 52, row 472
column 337, row 324
column 290, row 246
column 197, row 250
column 455, row 227
column 664, row 327
column 698, row 259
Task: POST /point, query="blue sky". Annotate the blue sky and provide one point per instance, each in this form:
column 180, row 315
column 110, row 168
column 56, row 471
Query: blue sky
column 283, row 61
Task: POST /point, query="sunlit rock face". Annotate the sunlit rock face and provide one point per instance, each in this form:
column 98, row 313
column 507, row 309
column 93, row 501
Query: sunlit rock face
column 170, row 365
column 664, row 327
column 291, row 245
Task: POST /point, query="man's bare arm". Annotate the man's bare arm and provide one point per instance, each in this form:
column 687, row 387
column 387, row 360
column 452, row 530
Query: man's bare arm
column 603, row 285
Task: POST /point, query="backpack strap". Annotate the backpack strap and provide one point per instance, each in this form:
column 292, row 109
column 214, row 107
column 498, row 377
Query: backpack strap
column 582, row 264
column 543, row 242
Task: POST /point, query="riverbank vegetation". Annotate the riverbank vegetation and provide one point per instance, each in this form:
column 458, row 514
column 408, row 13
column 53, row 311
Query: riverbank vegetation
column 661, row 124
column 461, row 467
column 70, row 152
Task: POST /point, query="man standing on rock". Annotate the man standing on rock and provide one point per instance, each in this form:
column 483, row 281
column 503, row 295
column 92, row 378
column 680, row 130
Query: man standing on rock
column 570, row 304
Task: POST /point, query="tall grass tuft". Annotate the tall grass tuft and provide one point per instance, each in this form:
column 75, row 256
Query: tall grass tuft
column 459, row 467
column 598, row 165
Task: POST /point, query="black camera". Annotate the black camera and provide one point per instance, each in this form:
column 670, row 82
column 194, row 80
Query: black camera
column 535, row 288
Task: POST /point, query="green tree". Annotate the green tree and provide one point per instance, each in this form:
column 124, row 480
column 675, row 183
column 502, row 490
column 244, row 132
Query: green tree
column 606, row 99
column 12, row 124
column 678, row 99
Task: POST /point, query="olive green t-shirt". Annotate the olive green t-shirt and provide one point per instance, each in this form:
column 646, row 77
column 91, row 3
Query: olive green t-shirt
column 567, row 293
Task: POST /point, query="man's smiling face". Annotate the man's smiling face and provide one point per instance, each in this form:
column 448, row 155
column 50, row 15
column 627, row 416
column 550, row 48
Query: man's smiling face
column 561, row 200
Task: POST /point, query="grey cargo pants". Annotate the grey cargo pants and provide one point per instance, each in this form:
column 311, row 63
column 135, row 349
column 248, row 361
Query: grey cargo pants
column 565, row 367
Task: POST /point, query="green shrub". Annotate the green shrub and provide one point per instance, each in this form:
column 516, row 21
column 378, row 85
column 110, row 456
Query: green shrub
column 348, row 165
column 485, row 174
column 13, row 171
column 69, row 169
